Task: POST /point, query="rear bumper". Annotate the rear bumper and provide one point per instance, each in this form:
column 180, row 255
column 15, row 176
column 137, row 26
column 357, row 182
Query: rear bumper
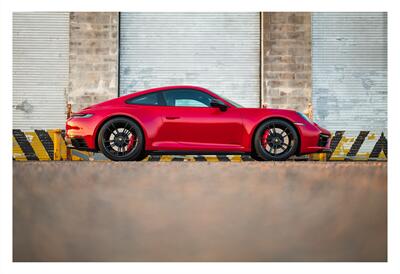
column 78, row 143
column 79, row 134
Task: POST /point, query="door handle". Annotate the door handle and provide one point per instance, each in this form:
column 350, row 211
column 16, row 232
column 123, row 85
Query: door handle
column 172, row 117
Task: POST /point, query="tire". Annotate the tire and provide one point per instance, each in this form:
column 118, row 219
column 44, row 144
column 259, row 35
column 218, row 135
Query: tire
column 142, row 156
column 121, row 139
column 275, row 140
column 255, row 156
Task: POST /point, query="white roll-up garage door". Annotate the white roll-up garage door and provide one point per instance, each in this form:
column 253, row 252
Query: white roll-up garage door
column 349, row 55
column 218, row 51
column 40, row 69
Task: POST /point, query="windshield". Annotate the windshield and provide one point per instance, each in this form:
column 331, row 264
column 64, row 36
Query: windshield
column 232, row 102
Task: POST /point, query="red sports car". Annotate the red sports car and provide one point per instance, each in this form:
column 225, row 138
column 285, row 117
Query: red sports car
column 191, row 120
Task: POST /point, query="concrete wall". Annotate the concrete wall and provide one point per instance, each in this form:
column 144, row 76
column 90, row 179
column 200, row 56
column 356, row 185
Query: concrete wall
column 287, row 59
column 93, row 58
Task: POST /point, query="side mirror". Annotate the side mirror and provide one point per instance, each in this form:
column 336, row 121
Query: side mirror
column 215, row 103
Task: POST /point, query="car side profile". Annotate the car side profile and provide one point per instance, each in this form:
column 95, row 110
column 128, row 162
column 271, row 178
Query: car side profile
column 191, row 120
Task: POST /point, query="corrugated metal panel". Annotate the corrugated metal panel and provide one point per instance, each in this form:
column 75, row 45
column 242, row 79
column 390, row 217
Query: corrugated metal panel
column 40, row 69
column 350, row 70
column 218, row 51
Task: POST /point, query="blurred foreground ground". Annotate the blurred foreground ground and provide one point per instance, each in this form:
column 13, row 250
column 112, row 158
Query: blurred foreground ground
column 198, row 211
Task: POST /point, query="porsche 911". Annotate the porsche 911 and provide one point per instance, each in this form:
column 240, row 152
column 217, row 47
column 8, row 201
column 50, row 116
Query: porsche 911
column 191, row 120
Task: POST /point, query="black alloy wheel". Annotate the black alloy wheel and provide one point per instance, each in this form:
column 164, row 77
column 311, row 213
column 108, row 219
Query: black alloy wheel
column 275, row 140
column 121, row 139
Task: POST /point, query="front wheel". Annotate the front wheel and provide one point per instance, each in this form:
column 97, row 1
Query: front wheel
column 275, row 140
column 121, row 139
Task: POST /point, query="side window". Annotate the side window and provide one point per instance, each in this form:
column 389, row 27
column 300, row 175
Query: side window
column 150, row 99
column 187, row 98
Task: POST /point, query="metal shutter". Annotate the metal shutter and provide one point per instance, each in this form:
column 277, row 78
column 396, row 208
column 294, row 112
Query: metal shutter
column 349, row 52
column 40, row 69
column 218, row 51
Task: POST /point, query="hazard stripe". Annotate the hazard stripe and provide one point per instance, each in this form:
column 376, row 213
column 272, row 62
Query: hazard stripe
column 211, row 158
column 80, row 154
column 236, row 158
column 64, row 150
column 299, row 158
column 55, row 136
column 334, row 142
column 246, row 158
column 223, row 158
column 166, row 158
column 18, row 154
column 380, row 145
column 178, row 159
column 367, row 146
column 357, row 144
column 199, row 158
column 25, row 145
column 37, row 146
column 345, row 145
column 46, row 141
column 154, row 158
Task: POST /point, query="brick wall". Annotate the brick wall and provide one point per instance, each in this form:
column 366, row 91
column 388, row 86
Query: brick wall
column 93, row 58
column 287, row 60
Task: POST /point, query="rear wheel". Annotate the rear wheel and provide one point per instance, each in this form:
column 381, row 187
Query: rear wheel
column 121, row 139
column 275, row 140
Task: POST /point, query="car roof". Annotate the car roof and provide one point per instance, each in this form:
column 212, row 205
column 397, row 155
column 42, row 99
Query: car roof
column 138, row 93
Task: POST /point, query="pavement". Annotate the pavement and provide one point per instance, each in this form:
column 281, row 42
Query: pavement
column 199, row 211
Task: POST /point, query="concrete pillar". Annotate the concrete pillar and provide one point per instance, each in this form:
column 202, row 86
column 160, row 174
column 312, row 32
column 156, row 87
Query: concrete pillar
column 287, row 60
column 93, row 58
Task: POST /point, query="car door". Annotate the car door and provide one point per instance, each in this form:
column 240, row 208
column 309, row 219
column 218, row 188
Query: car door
column 190, row 123
column 149, row 111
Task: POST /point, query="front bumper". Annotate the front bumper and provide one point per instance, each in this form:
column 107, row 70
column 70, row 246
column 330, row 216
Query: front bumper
column 323, row 140
column 314, row 139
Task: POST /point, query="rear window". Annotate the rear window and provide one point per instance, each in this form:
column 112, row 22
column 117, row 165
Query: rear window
column 150, row 99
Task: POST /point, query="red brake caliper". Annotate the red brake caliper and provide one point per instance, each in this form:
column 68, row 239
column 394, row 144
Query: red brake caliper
column 264, row 138
column 131, row 142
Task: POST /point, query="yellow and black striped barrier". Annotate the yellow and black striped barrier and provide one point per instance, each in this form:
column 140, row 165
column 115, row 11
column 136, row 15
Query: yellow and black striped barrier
column 356, row 146
column 198, row 158
column 48, row 145
column 38, row 145
column 43, row 145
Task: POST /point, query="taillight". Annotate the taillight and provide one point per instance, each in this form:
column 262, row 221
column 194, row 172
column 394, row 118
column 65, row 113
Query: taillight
column 81, row 115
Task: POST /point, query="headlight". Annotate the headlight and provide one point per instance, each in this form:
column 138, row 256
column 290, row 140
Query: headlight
column 81, row 115
column 305, row 117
